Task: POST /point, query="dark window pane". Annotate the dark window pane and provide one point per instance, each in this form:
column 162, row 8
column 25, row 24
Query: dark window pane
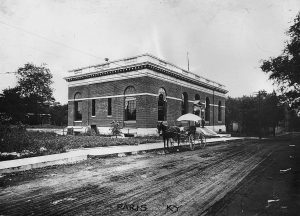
column 207, row 110
column 162, row 108
column 130, row 109
column 78, row 110
column 184, row 103
column 130, row 104
column 93, row 107
column 219, row 112
column 109, row 106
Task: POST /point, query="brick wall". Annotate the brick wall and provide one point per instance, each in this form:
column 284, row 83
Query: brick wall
column 146, row 104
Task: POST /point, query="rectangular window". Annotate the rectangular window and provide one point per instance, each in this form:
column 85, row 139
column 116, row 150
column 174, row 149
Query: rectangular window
column 109, row 107
column 93, row 107
column 78, row 110
column 219, row 112
column 130, row 109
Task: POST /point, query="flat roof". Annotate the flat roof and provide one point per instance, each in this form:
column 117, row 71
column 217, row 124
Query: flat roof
column 86, row 72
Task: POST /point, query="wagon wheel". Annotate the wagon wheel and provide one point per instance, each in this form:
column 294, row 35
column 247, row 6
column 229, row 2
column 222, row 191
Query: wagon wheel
column 192, row 142
column 197, row 139
column 202, row 139
column 184, row 139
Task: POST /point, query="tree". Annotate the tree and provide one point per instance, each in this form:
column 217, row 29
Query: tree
column 32, row 95
column 232, row 112
column 294, row 124
column 242, row 110
column 12, row 106
column 254, row 114
column 35, row 82
column 249, row 116
column 284, row 70
column 272, row 111
column 59, row 114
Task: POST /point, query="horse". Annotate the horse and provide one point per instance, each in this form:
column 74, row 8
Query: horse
column 168, row 132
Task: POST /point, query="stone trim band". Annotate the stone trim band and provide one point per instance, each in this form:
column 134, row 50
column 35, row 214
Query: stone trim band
column 128, row 95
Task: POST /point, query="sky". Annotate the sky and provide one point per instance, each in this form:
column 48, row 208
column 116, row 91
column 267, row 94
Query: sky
column 226, row 39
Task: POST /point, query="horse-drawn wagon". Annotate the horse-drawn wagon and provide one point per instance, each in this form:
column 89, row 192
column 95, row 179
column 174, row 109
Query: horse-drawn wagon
column 186, row 136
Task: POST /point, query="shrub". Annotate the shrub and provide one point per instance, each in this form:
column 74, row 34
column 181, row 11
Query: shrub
column 33, row 143
column 13, row 138
column 115, row 128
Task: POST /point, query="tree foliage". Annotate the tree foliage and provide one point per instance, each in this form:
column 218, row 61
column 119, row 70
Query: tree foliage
column 272, row 111
column 59, row 114
column 284, row 70
column 252, row 113
column 12, row 106
column 35, row 82
column 31, row 97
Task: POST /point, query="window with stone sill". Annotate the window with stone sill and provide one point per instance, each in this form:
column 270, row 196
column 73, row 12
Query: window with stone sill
column 93, row 108
column 77, row 107
column 207, row 109
column 162, row 105
column 130, row 104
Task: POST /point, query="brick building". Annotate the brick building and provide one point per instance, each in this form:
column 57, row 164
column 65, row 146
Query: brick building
column 138, row 92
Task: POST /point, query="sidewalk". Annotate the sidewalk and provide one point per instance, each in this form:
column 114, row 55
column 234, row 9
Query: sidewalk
column 82, row 154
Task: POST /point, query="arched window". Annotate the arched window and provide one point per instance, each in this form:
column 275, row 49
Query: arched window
column 207, row 109
column 184, row 103
column 162, row 105
column 197, row 105
column 130, row 104
column 219, row 111
column 77, row 107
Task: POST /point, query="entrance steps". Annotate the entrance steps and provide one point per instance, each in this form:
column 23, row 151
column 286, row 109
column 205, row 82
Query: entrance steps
column 211, row 133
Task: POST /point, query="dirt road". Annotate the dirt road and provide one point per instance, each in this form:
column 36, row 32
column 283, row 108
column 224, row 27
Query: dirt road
column 181, row 183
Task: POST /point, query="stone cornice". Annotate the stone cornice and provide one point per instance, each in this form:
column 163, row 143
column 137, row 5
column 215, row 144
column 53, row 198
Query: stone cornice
column 144, row 65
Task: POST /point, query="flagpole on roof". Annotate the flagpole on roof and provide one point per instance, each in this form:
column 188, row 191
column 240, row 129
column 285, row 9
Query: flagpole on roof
column 188, row 61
